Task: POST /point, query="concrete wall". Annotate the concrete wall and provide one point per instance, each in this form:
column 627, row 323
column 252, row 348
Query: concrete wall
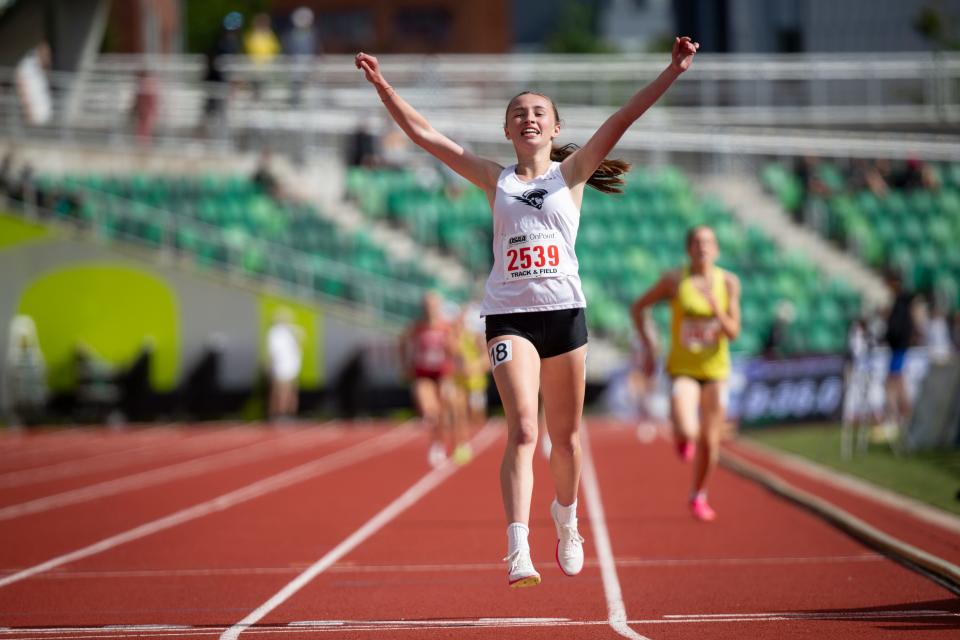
column 206, row 305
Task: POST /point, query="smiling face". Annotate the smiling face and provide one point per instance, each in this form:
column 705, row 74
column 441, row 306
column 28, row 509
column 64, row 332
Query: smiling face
column 702, row 246
column 532, row 121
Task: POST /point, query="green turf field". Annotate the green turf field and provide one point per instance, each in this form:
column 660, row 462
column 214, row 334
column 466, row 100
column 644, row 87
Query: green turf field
column 931, row 476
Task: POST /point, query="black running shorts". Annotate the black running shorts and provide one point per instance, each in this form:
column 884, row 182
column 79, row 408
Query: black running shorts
column 553, row 333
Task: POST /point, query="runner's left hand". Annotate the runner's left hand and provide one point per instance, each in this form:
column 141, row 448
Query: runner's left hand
column 683, row 51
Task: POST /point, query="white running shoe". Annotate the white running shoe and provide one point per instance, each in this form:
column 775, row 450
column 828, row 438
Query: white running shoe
column 569, row 545
column 521, row 572
column 437, row 454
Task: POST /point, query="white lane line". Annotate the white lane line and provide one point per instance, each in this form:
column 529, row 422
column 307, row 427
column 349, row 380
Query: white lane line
column 467, row 622
column 176, row 471
column 75, row 440
column 801, row 615
column 447, row 568
column 127, row 445
column 112, row 459
column 21, row 460
column 355, row 453
column 317, row 626
column 616, row 611
column 146, row 627
column 406, row 500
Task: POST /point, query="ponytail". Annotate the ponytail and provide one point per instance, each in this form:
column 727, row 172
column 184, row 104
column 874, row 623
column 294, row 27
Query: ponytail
column 608, row 178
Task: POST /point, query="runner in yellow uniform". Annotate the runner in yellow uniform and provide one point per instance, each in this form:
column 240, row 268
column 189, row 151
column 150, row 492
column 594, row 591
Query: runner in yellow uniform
column 472, row 366
column 705, row 305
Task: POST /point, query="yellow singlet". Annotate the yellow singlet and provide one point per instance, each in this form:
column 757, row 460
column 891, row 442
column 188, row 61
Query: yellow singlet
column 698, row 346
column 470, row 353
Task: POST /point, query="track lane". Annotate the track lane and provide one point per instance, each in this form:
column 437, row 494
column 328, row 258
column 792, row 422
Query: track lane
column 645, row 489
column 35, row 538
column 183, row 462
column 925, row 535
column 30, row 450
column 444, row 553
column 433, row 572
column 284, row 528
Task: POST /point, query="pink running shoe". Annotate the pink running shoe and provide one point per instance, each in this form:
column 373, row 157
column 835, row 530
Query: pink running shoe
column 701, row 510
column 686, row 449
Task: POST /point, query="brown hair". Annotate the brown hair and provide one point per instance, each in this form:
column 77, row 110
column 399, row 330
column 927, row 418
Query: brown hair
column 692, row 231
column 608, row 177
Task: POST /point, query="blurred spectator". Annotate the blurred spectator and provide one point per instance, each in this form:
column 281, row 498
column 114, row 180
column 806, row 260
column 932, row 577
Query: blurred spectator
column 264, row 177
column 812, row 186
column 285, row 355
column 97, row 393
column 866, row 175
column 916, row 174
column 26, row 373
column 228, row 43
column 955, row 330
column 201, row 393
column 776, row 338
column 301, row 42
column 146, row 104
column 262, row 46
column 900, row 334
column 301, row 39
column 261, row 42
column 363, row 149
column 6, row 173
column 351, row 385
column 937, row 334
column 33, row 87
column 859, row 409
column 24, row 188
column 136, row 391
column 806, row 170
column 858, row 342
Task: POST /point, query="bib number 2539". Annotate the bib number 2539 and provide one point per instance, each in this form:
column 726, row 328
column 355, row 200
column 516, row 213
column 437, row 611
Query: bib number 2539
column 533, row 255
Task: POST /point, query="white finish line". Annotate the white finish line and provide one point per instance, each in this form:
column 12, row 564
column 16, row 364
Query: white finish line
column 347, row 567
column 374, row 626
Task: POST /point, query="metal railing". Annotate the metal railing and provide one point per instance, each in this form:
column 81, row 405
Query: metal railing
column 727, row 104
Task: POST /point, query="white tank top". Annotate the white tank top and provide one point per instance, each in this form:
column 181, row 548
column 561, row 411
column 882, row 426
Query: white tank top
column 534, row 233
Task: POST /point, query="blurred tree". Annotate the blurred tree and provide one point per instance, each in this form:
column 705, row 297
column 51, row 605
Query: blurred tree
column 935, row 25
column 203, row 19
column 661, row 44
column 576, row 31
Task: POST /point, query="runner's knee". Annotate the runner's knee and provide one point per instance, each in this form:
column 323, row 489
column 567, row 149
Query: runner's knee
column 525, row 433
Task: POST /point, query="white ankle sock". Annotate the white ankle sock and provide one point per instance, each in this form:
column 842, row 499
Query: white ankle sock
column 517, row 533
column 698, row 495
column 566, row 515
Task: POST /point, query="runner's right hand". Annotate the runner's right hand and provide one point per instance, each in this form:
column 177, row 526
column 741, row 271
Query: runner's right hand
column 370, row 67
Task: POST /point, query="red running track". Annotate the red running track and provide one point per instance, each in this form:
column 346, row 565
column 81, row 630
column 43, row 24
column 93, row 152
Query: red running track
column 345, row 532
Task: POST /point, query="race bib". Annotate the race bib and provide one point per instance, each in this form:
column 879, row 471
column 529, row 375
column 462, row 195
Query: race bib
column 535, row 254
column 697, row 334
column 501, row 352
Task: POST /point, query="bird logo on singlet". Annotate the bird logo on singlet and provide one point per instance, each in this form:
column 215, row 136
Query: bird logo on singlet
column 532, row 197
